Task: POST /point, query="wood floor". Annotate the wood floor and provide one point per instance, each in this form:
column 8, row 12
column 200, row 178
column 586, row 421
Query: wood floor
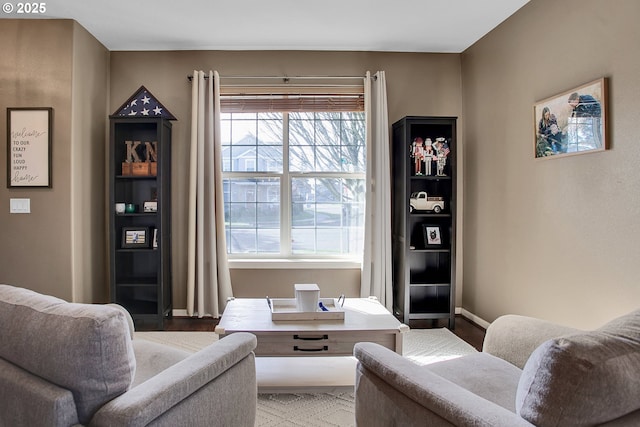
column 470, row 332
column 464, row 328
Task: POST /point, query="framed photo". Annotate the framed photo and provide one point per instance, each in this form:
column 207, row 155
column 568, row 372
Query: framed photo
column 572, row 122
column 135, row 237
column 150, row 206
column 29, row 136
column 432, row 235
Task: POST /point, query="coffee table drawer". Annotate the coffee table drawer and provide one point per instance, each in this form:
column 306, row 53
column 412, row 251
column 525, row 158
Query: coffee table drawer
column 318, row 343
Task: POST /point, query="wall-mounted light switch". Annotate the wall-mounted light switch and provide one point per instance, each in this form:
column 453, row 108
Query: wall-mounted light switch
column 19, row 205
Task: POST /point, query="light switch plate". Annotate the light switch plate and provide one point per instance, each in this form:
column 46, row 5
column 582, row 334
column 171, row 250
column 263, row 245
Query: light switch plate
column 19, row 205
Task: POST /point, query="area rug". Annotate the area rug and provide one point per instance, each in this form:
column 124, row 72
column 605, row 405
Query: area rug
column 423, row 346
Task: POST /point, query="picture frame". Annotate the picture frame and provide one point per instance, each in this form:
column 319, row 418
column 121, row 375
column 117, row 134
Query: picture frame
column 135, row 237
column 29, row 140
column 150, row 206
column 572, row 122
column 432, row 235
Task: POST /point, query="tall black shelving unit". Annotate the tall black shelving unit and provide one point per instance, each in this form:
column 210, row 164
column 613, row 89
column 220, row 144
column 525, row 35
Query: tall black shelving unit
column 424, row 239
column 140, row 274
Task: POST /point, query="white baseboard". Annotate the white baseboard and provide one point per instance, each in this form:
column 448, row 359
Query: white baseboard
column 475, row 319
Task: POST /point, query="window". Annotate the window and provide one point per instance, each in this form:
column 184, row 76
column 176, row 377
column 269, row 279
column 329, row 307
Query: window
column 294, row 183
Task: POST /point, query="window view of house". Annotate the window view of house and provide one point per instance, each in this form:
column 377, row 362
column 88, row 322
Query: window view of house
column 294, row 183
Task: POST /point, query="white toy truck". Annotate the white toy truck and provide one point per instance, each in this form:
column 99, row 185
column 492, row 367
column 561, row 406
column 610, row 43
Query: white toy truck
column 420, row 201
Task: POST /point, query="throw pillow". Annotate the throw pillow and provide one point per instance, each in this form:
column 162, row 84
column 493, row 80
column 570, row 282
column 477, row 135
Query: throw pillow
column 583, row 379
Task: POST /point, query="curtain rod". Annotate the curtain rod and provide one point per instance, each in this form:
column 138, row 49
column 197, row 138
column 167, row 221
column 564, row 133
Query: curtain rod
column 285, row 79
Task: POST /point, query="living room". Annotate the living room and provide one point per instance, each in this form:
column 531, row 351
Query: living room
column 532, row 240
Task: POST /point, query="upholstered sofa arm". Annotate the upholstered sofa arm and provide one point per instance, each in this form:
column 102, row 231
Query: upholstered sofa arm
column 230, row 361
column 513, row 338
column 127, row 315
column 383, row 376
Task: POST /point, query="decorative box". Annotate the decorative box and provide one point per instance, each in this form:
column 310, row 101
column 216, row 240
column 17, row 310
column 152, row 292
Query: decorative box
column 307, row 296
column 140, row 168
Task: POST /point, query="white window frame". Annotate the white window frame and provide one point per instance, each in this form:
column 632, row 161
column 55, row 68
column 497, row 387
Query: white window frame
column 286, row 259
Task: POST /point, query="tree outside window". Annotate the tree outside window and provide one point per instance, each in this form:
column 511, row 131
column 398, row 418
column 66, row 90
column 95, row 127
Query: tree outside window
column 294, row 183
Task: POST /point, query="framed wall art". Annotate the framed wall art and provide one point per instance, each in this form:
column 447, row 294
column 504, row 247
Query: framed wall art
column 29, row 147
column 572, row 122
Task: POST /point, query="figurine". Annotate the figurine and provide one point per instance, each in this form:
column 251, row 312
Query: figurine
column 428, row 156
column 417, row 152
column 421, row 201
column 442, row 151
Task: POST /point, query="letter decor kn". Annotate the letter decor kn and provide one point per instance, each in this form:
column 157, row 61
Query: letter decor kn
column 151, row 151
column 142, row 104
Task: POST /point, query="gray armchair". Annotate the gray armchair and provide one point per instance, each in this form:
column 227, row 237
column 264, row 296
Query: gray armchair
column 65, row 364
column 530, row 372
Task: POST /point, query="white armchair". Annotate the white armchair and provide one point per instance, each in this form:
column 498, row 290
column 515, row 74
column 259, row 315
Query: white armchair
column 530, row 372
column 65, row 364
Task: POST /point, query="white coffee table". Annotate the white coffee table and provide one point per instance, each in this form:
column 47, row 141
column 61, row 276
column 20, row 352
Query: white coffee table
column 310, row 355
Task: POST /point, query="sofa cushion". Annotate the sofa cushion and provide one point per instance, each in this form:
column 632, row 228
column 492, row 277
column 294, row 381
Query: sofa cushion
column 482, row 374
column 585, row 378
column 153, row 358
column 85, row 348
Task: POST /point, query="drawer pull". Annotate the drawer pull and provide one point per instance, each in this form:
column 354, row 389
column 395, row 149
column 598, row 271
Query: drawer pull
column 324, row 348
column 298, row 337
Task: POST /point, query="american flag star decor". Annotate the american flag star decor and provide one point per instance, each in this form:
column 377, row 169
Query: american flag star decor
column 143, row 104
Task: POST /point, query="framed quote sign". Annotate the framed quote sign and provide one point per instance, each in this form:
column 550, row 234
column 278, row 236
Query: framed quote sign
column 29, row 147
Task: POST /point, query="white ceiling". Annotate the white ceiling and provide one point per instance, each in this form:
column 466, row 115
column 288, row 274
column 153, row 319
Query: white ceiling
column 341, row 25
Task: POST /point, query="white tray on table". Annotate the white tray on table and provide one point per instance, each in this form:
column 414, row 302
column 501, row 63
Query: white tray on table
column 285, row 309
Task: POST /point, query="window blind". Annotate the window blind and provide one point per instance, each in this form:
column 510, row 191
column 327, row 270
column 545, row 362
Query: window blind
column 235, row 99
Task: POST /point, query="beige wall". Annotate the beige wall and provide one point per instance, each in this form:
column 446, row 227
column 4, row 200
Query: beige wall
column 554, row 238
column 88, row 167
column 279, row 283
column 417, row 84
column 45, row 250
